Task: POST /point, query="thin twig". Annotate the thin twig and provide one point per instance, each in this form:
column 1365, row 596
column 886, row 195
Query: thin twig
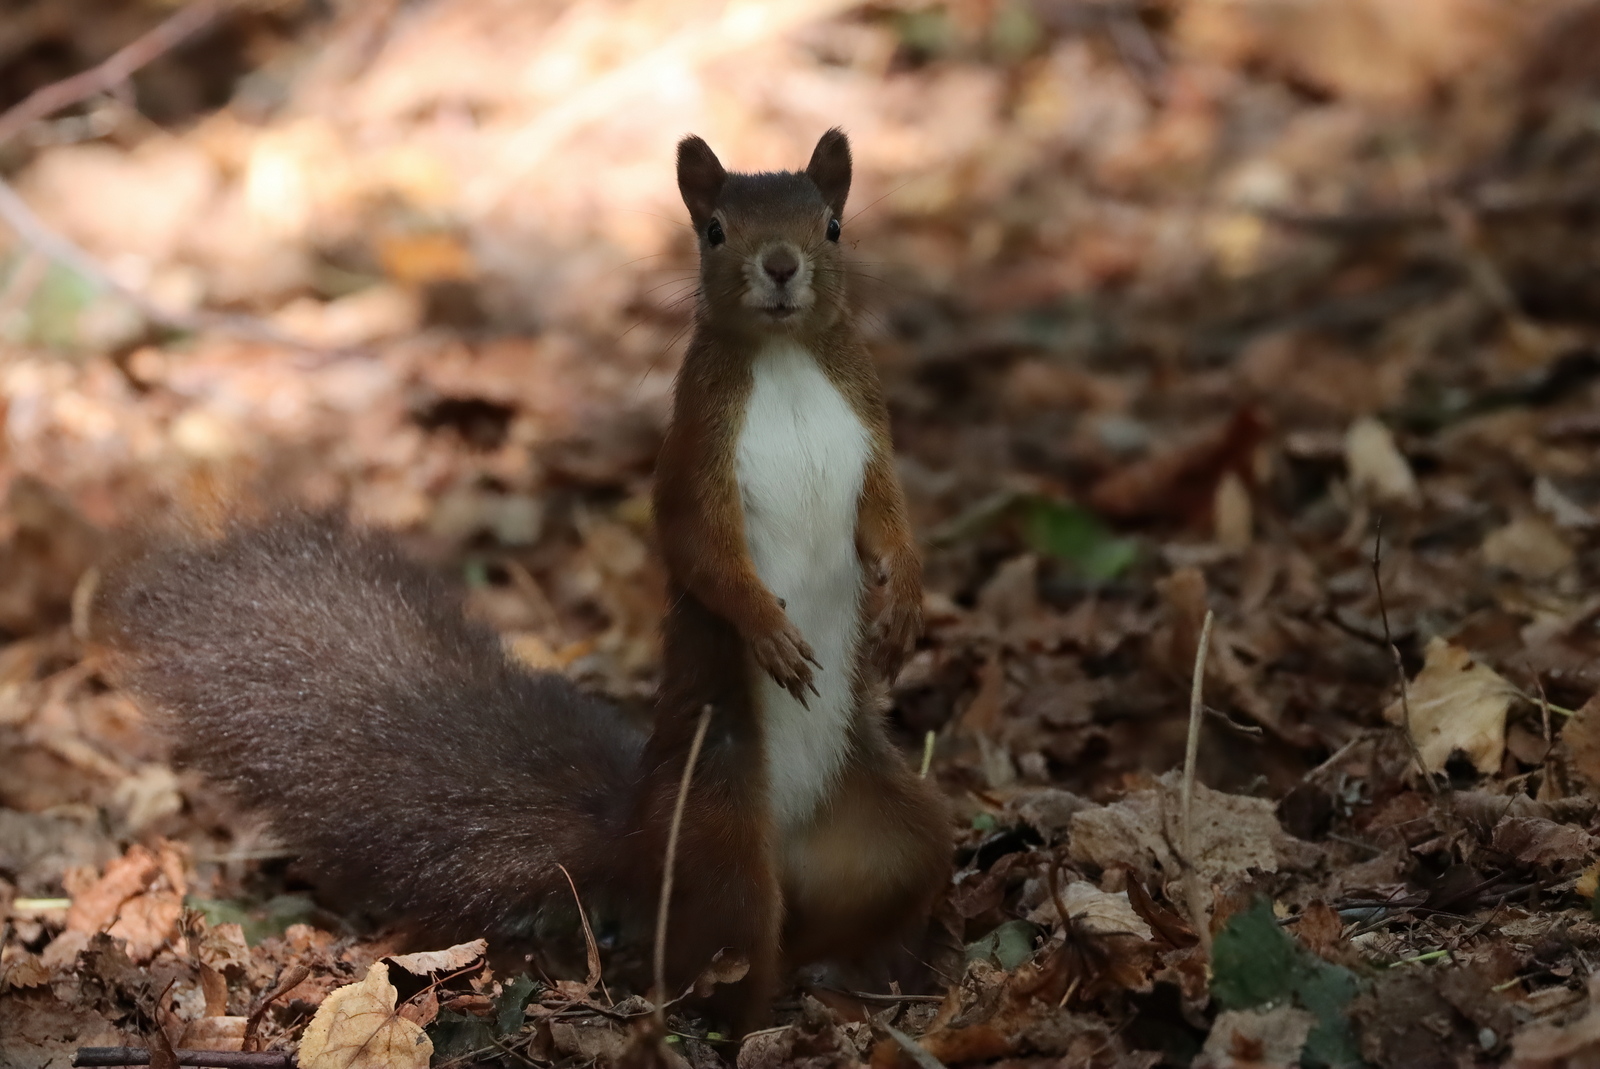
column 16, row 214
column 1191, row 881
column 1399, row 665
column 1338, row 755
column 215, row 1059
column 49, row 99
column 115, row 71
column 287, row 982
column 671, row 859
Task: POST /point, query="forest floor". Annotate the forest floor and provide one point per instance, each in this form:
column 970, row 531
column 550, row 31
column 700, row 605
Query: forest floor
column 1178, row 305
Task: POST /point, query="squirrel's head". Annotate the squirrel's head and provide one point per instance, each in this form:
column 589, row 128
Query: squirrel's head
column 769, row 243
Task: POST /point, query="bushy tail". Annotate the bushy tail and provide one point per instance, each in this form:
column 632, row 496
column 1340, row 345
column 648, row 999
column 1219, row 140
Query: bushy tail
column 321, row 676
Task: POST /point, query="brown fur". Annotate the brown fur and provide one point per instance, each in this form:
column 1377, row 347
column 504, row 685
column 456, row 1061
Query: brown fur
column 874, row 857
column 326, row 679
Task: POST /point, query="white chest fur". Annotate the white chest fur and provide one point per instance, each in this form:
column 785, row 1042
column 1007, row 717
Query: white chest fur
column 801, row 460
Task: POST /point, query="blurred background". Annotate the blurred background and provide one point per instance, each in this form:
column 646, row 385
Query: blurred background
column 1140, row 277
column 1173, row 300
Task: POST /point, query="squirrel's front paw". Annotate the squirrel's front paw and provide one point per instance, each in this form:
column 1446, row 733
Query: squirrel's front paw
column 785, row 655
column 895, row 633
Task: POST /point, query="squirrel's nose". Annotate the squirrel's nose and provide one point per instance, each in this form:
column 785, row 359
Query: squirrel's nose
column 780, row 264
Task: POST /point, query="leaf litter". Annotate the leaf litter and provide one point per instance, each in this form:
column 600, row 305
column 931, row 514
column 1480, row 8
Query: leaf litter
column 1174, row 303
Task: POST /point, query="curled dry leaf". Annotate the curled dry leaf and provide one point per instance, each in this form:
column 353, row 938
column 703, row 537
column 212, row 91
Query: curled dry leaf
column 1375, row 464
column 1095, row 912
column 356, row 1027
column 450, row 959
column 1456, row 704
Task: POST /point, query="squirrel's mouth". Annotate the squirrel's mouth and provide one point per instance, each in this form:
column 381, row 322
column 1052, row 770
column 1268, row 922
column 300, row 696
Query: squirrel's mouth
column 780, row 311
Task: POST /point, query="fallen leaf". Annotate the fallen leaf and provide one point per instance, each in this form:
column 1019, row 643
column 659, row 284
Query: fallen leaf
column 1232, row 834
column 1375, row 464
column 1257, row 1039
column 1094, row 911
column 1232, row 518
column 1574, row 1045
column 1181, row 482
column 1530, row 547
column 1255, row 963
column 1581, row 736
column 1456, row 704
column 356, row 1027
column 1536, row 841
column 450, row 959
column 214, row 1033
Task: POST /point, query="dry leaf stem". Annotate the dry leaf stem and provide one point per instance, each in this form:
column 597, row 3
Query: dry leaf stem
column 1399, row 665
column 1191, row 878
column 671, row 859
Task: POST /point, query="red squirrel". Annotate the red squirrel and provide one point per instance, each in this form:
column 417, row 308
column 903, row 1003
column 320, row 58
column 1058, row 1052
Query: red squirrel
column 796, row 587
column 329, row 681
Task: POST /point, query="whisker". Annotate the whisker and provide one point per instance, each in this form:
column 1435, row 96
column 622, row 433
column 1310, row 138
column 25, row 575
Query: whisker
column 858, row 214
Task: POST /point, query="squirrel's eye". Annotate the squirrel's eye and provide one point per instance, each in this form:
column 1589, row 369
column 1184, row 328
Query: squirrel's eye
column 833, row 230
column 714, row 233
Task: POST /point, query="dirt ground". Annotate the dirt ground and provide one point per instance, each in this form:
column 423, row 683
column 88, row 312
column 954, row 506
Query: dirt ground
column 1179, row 304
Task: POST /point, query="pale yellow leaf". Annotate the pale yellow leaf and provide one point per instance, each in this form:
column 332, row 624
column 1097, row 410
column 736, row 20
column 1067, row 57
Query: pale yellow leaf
column 1529, row 546
column 1456, row 704
column 449, row 960
column 356, row 1027
column 1375, row 464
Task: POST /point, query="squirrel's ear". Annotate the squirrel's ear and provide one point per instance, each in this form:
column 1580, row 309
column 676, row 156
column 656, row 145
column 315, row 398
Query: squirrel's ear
column 700, row 178
column 830, row 169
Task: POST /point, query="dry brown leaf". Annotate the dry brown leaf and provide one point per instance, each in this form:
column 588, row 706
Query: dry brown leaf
column 1232, row 518
column 1530, row 547
column 1181, row 481
column 125, row 877
column 1581, row 736
column 356, row 1027
column 1537, row 841
column 214, row 1033
column 1094, row 911
column 26, row 970
column 422, row 1009
column 1375, row 464
column 448, row 960
column 1232, row 834
column 1574, row 1045
column 1257, row 1039
column 1456, row 704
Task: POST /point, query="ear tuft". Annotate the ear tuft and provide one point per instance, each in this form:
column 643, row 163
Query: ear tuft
column 830, row 169
column 700, row 178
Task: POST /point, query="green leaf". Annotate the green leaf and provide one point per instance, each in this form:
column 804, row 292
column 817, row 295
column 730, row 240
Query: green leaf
column 457, row 1035
column 260, row 920
column 1008, row 946
column 508, row 1008
column 1077, row 537
column 1255, row 963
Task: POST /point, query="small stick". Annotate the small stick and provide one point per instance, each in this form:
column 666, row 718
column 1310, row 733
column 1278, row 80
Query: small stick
column 591, row 950
column 287, row 982
column 1399, row 665
column 672, row 857
column 1338, row 755
column 121, row 65
column 214, row 1059
column 1191, row 882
